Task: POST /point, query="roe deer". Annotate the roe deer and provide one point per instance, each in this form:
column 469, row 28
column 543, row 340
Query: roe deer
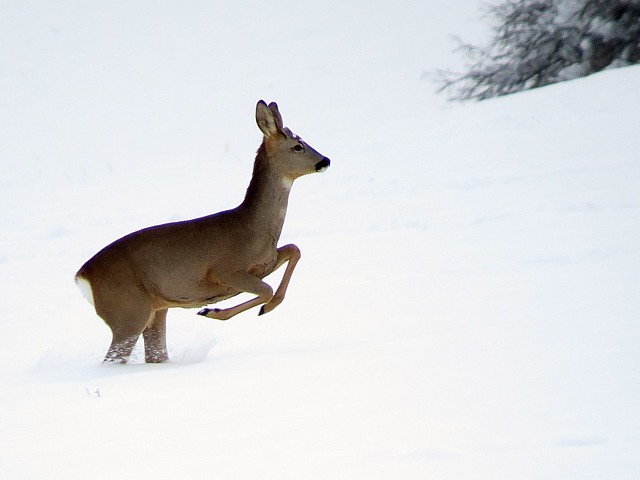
column 189, row 264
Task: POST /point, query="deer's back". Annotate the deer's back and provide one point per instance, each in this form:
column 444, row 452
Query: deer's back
column 180, row 263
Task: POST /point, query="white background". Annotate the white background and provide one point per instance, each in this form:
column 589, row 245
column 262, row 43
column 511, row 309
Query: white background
column 467, row 302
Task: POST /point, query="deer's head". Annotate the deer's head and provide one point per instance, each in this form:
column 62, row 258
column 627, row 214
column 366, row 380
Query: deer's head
column 291, row 155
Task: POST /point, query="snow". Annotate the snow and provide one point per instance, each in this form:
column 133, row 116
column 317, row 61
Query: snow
column 467, row 301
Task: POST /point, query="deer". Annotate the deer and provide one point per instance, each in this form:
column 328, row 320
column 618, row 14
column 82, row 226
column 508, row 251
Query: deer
column 132, row 282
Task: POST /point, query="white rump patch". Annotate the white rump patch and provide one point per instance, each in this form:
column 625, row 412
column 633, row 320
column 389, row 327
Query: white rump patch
column 85, row 288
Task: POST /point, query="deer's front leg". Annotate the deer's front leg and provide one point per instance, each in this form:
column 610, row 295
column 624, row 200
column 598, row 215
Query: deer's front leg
column 246, row 283
column 291, row 255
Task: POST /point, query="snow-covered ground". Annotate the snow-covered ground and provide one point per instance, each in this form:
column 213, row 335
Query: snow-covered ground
column 467, row 305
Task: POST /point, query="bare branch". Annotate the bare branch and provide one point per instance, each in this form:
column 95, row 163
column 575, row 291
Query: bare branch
column 536, row 41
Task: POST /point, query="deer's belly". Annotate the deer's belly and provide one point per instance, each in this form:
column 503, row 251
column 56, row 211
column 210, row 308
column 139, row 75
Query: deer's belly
column 199, row 301
column 198, row 291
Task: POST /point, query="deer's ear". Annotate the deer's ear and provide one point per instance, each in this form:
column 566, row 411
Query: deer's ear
column 268, row 118
column 273, row 106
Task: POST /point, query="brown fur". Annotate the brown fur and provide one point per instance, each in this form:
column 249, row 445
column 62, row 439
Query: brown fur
column 189, row 264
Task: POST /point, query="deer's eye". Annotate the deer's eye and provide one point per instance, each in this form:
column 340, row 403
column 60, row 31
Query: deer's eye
column 298, row 148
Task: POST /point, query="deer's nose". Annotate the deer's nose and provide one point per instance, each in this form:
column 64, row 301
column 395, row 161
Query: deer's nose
column 323, row 164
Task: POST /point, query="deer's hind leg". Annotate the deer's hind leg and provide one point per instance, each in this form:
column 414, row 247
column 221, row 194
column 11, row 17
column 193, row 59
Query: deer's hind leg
column 127, row 318
column 155, row 338
column 120, row 349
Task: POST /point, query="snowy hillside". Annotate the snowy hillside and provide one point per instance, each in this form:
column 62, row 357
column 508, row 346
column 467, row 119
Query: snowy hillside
column 467, row 301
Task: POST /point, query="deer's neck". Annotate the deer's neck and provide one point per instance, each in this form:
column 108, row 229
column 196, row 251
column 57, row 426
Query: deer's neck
column 265, row 203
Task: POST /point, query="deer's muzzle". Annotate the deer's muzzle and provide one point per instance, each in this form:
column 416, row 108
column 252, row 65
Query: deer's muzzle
column 323, row 164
